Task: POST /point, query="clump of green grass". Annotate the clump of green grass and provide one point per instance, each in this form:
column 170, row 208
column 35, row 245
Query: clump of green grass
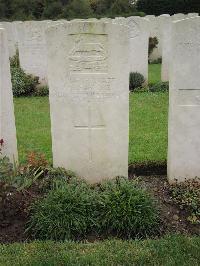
column 126, row 210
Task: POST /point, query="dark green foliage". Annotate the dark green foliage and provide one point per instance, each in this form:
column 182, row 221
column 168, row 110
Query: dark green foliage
column 153, row 43
column 158, row 7
column 187, row 196
column 41, row 91
column 22, row 84
column 126, row 210
column 156, row 61
column 78, row 8
column 54, row 9
column 65, row 213
column 160, row 86
column 136, row 80
column 6, row 169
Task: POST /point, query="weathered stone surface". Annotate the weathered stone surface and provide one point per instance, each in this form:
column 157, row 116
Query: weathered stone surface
column 191, row 15
column 7, row 120
column 11, row 36
column 166, row 27
column 184, row 111
column 154, row 32
column 87, row 68
column 178, row 16
column 139, row 40
column 32, row 48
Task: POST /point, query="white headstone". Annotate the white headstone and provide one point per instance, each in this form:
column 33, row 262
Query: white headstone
column 139, row 43
column 184, row 111
column 11, row 36
column 155, row 32
column 191, row 15
column 7, row 119
column 178, row 16
column 32, row 48
column 139, row 40
column 87, row 70
column 166, row 27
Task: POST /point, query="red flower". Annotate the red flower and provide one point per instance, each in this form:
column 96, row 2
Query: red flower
column 1, row 142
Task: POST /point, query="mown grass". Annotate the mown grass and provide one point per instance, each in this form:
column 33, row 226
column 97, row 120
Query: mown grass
column 148, row 125
column 154, row 73
column 176, row 250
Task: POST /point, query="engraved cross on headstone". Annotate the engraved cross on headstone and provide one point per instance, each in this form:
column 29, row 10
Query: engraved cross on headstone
column 90, row 126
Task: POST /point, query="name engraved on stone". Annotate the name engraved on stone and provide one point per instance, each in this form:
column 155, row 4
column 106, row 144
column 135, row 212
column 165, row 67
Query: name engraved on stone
column 97, row 89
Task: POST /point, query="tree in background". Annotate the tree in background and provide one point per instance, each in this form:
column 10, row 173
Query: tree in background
column 54, row 9
column 78, row 8
column 159, row 7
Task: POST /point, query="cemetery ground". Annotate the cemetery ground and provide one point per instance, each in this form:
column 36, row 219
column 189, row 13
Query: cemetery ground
column 147, row 160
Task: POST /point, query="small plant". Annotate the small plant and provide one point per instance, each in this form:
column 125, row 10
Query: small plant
column 41, row 91
column 36, row 160
column 126, row 210
column 22, row 84
column 6, row 170
column 187, row 196
column 136, row 81
column 159, row 87
column 156, row 61
column 65, row 213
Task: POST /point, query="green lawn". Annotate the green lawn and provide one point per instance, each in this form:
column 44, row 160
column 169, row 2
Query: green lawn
column 154, row 73
column 177, row 250
column 148, row 125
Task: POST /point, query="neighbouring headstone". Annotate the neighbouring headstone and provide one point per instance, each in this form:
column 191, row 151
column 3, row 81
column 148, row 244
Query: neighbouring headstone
column 178, row 16
column 184, row 110
column 7, row 119
column 87, row 69
column 32, row 48
column 191, row 15
column 166, row 27
column 139, row 40
column 11, row 36
column 154, row 33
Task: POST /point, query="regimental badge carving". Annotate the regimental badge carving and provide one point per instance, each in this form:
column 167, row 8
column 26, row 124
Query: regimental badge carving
column 88, row 56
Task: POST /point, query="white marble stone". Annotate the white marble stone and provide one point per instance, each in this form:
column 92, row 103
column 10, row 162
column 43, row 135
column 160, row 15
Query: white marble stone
column 178, row 16
column 11, row 36
column 32, row 48
column 7, row 119
column 154, row 32
column 166, row 27
column 88, row 64
column 139, row 43
column 184, row 111
column 139, row 32
column 191, row 15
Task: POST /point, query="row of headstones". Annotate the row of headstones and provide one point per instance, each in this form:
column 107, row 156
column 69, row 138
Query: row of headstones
column 29, row 38
column 89, row 99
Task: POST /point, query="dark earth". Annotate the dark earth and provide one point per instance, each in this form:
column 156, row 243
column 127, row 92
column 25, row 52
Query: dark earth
column 14, row 205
